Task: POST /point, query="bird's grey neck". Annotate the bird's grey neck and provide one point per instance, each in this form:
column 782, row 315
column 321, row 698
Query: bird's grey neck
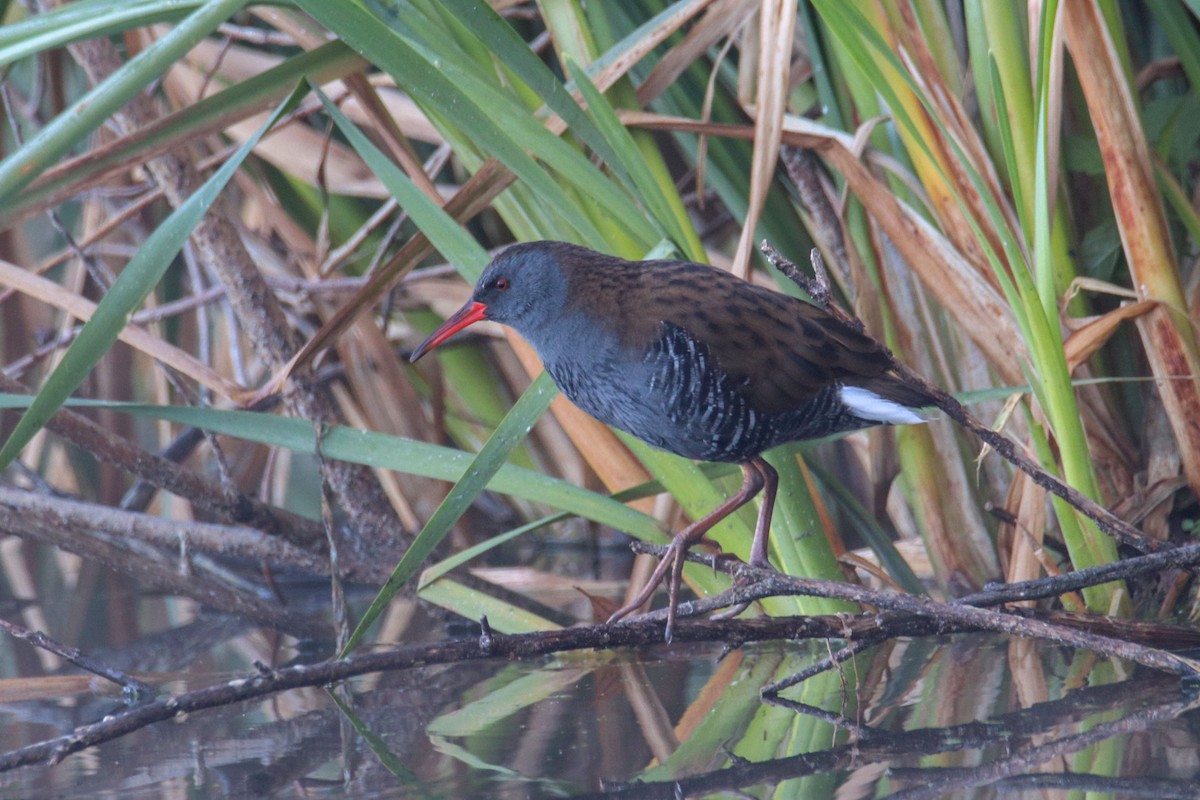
column 573, row 337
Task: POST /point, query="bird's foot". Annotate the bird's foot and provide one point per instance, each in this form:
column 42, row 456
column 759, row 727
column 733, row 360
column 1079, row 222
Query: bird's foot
column 732, row 611
column 740, row 580
column 673, row 562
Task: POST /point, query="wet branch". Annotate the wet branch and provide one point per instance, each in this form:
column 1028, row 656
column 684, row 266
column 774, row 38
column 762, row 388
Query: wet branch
column 108, row 537
column 754, row 583
column 164, row 473
column 1181, row 557
column 914, row 617
column 488, row 645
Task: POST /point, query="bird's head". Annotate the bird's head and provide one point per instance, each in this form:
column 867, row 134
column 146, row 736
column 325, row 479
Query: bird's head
column 524, row 287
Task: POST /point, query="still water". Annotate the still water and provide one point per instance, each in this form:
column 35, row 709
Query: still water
column 959, row 716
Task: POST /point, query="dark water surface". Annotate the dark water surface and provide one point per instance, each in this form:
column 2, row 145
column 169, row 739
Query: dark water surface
column 961, row 716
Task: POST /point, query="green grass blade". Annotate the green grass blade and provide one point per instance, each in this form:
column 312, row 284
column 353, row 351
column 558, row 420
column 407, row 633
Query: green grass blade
column 211, row 114
column 631, row 162
column 387, row 451
column 87, row 19
column 427, row 77
column 525, row 412
column 131, row 287
column 498, row 37
column 90, row 111
column 473, row 603
column 798, row 543
column 443, row 231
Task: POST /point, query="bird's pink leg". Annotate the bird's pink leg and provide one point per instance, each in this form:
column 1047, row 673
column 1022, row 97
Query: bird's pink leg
column 762, row 529
column 754, row 480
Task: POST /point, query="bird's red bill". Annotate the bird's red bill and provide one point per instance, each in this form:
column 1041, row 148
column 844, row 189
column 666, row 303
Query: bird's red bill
column 469, row 314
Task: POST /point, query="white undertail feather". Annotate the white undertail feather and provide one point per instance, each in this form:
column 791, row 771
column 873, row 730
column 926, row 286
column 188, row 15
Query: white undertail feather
column 868, row 405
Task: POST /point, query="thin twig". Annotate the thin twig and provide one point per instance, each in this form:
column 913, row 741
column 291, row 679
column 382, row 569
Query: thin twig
column 830, row 661
column 131, row 685
column 1182, row 557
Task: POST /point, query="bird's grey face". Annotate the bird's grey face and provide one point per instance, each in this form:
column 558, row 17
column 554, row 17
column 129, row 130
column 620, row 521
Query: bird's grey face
column 523, row 288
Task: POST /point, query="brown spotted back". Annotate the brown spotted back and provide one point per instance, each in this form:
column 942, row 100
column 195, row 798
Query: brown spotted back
column 782, row 350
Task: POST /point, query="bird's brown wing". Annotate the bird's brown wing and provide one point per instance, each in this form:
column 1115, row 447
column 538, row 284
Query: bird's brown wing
column 784, row 351
column 781, row 350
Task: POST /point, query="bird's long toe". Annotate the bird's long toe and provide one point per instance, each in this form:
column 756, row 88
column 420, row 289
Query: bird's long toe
column 670, row 569
column 643, row 597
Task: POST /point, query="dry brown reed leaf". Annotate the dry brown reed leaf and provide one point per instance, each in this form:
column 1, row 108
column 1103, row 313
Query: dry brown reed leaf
column 1085, row 339
column 53, row 294
column 1168, row 335
column 292, row 149
column 956, row 538
column 720, row 20
column 777, row 23
column 1027, row 503
column 1083, row 283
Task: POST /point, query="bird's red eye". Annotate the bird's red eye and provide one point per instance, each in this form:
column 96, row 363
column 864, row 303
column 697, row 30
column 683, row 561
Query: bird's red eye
column 502, row 284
